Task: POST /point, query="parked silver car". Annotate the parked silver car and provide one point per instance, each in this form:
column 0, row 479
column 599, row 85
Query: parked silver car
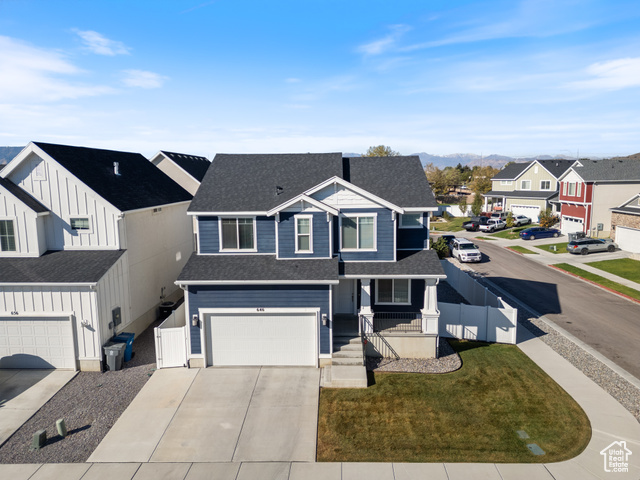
column 519, row 220
column 589, row 245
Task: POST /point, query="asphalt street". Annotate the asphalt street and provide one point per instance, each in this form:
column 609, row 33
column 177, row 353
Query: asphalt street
column 606, row 322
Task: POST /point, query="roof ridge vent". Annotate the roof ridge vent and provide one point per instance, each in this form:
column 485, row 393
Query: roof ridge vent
column 116, row 168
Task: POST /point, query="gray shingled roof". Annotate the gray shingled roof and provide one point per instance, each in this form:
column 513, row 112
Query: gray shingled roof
column 399, row 180
column 612, row 170
column 628, row 210
column 23, row 196
column 416, row 263
column 521, row 194
column 232, row 268
column 192, row 164
column 64, row 266
column 248, row 182
column 556, row 167
column 510, row 172
column 139, row 185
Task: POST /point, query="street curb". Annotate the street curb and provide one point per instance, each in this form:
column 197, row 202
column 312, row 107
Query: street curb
column 615, row 292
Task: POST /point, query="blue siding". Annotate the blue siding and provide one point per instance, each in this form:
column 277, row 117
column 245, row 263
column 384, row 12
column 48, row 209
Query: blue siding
column 417, row 299
column 414, row 238
column 210, row 241
column 385, row 233
column 287, row 236
column 258, row 296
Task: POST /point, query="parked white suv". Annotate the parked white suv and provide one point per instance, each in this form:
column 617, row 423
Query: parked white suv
column 464, row 250
column 492, row 225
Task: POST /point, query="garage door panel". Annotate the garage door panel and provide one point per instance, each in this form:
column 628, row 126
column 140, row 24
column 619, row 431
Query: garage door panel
column 628, row 239
column 262, row 339
column 571, row 225
column 37, row 342
column 531, row 211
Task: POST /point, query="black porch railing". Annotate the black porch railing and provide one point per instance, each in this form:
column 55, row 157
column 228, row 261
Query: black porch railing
column 397, row 322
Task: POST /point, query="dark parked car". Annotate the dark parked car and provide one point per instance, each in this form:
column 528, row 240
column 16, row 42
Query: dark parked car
column 588, row 245
column 538, row 232
column 474, row 224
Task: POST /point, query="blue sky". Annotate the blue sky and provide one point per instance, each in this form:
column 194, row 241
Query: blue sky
column 510, row 77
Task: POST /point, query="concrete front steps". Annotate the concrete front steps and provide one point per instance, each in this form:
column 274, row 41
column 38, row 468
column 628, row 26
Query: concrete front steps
column 346, row 369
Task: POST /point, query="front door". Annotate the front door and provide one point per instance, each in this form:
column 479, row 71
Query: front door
column 344, row 297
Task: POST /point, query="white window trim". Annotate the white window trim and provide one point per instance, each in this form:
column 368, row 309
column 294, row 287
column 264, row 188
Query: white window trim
column 569, row 194
column 415, row 227
column 578, row 188
column 81, row 232
column 393, row 289
column 243, row 250
column 375, row 231
column 35, row 175
column 564, row 188
column 14, row 220
column 506, row 182
column 522, row 184
column 545, row 189
column 310, row 218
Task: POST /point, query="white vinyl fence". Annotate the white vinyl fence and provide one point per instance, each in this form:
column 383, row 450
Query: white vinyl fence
column 171, row 340
column 487, row 319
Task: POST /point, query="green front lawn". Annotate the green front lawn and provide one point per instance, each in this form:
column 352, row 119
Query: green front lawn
column 471, row 415
column 622, row 267
column 519, row 249
column 605, row 282
column 510, row 233
column 453, row 225
column 560, row 247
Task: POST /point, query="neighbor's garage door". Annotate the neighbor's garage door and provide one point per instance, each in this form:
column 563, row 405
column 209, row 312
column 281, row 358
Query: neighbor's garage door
column 530, row 211
column 262, row 339
column 628, row 239
column 37, row 342
column 571, row 225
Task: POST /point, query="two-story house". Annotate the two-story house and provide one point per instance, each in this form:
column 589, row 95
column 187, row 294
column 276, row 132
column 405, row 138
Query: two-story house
column 527, row 188
column 293, row 247
column 91, row 241
column 591, row 188
column 186, row 170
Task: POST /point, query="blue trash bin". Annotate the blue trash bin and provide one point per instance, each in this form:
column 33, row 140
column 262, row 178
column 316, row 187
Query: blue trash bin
column 125, row 337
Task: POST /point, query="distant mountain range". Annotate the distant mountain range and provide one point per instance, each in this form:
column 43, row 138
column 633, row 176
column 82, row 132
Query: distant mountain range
column 472, row 160
column 7, row 153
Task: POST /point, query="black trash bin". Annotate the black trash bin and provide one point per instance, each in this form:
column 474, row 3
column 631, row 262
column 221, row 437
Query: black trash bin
column 166, row 308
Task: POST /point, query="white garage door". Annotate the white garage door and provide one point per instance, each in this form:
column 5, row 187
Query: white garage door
column 530, row 211
column 37, row 342
column 628, row 239
column 571, row 225
column 262, row 338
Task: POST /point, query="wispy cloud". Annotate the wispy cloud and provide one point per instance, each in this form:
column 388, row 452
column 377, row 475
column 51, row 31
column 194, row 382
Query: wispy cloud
column 292, row 80
column 386, row 43
column 612, row 75
column 32, row 74
column 143, row 79
column 100, row 45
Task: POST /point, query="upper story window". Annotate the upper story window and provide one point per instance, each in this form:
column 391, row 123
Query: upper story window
column 394, row 291
column 80, row 224
column 238, row 233
column 545, row 184
column 411, row 220
column 39, row 171
column 505, row 182
column 525, row 185
column 304, row 233
column 7, row 236
column 358, row 232
column 571, row 189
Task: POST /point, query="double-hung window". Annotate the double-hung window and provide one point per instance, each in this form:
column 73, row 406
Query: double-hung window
column 238, row 233
column 304, row 233
column 359, row 232
column 411, row 220
column 393, row 291
column 545, row 184
column 525, row 185
column 7, row 236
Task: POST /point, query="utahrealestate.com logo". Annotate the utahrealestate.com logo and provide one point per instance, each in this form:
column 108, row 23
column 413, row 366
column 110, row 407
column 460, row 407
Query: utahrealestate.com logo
column 616, row 457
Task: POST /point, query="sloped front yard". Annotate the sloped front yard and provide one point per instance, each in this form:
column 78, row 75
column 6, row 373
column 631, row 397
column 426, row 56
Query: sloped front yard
column 471, row 415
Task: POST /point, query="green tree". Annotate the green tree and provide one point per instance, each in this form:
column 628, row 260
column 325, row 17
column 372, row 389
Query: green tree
column 548, row 219
column 462, row 203
column 476, row 206
column 481, row 179
column 509, row 220
column 437, row 179
column 441, row 247
column 380, row 151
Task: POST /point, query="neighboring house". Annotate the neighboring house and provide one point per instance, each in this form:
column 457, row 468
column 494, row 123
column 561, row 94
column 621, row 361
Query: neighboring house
column 91, row 241
column 527, row 188
column 625, row 224
column 186, row 170
column 590, row 188
column 293, row 247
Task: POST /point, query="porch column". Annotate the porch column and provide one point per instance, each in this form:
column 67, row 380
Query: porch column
column 430, row 312
column 365, row 304
column 486, row 203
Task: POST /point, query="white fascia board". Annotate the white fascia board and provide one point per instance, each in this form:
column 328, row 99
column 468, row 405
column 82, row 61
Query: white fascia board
column 18, row 159
column 361, row 191
column 7, row 192
column 571, row 169
column 256, row 282
column 392, row 276
column 304, row 198
column 229, row 214
column 47, row 284
column 420, row 209
column 156, row 206
column 179, row 167
column 628, row 201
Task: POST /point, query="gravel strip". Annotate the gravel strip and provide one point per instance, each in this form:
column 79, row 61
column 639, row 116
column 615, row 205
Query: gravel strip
column 448, row 361
column 627, row 394
column 90, row 404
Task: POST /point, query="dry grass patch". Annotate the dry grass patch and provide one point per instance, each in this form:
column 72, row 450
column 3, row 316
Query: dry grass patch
column 471, row 415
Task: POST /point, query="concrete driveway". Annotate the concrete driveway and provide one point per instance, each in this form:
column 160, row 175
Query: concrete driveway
column 248, row 414
column 24, row 392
